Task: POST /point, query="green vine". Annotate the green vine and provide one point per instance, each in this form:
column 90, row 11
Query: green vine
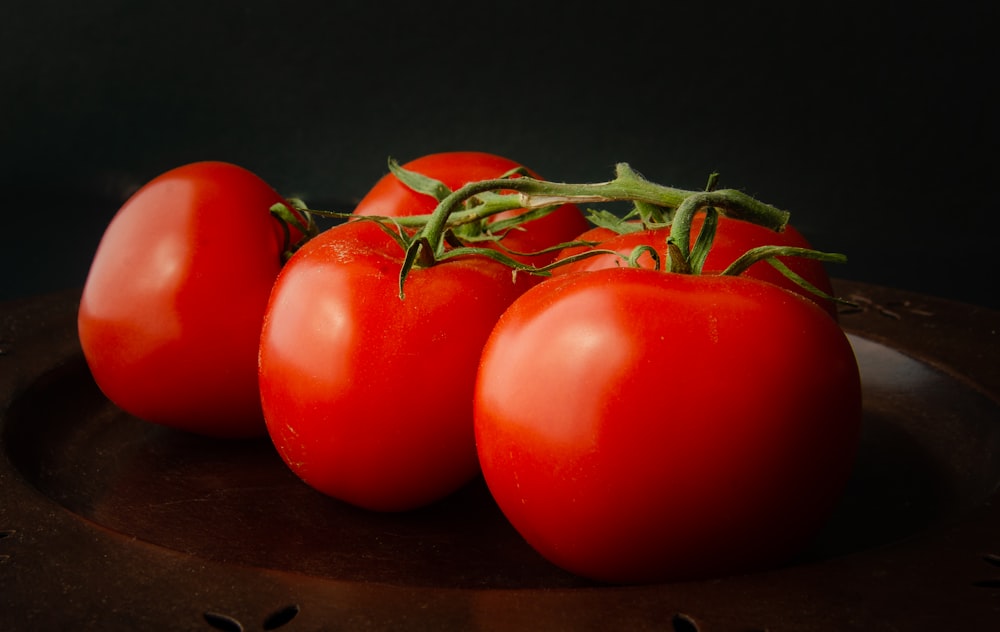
column 463, row 218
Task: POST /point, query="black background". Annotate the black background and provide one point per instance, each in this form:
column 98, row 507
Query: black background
column 872, row 123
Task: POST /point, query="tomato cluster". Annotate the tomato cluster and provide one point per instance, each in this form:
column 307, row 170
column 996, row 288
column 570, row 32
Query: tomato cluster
column 634, row 421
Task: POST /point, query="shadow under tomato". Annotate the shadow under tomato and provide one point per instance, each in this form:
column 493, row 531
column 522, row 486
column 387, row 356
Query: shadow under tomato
column 927, row 456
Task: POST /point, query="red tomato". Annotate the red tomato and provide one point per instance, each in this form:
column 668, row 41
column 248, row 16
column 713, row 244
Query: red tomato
column 639, row 426
column 172, row 307
column 733, row 238
column 368, row 398
column 391, row 198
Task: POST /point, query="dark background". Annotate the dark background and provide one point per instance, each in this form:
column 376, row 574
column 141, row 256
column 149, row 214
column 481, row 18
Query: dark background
column 870, row 122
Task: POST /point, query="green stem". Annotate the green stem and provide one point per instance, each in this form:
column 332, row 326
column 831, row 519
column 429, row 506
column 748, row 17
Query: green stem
column 428, row 244
column 627, row 186
column 763, row 253
column 732, row 203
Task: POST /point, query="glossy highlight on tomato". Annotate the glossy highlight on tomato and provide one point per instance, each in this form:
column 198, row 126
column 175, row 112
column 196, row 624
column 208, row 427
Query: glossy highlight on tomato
column 639, row 426
column 172, row 307
column 368, row 397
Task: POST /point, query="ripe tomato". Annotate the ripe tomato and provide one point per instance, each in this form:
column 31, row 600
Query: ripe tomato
column 172, row 307
column 640, row 426
column 391, row 198
column 733, row 238
column 367, row 397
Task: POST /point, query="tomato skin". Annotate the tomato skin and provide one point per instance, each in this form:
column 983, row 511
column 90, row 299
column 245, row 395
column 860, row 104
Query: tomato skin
column 732, row 239
column 391, row 198
column 171, row 310
column 368, row 397
column 637, row 426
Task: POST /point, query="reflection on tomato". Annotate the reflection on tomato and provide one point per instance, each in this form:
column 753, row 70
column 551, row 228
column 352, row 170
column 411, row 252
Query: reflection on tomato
column 643, row 426
column 368, row 398
column 172, row 307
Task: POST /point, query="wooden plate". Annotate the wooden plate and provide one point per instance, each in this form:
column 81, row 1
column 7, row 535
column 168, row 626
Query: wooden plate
column 112, row 523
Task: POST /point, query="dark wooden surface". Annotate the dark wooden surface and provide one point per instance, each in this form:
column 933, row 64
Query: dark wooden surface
column 109, row 523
